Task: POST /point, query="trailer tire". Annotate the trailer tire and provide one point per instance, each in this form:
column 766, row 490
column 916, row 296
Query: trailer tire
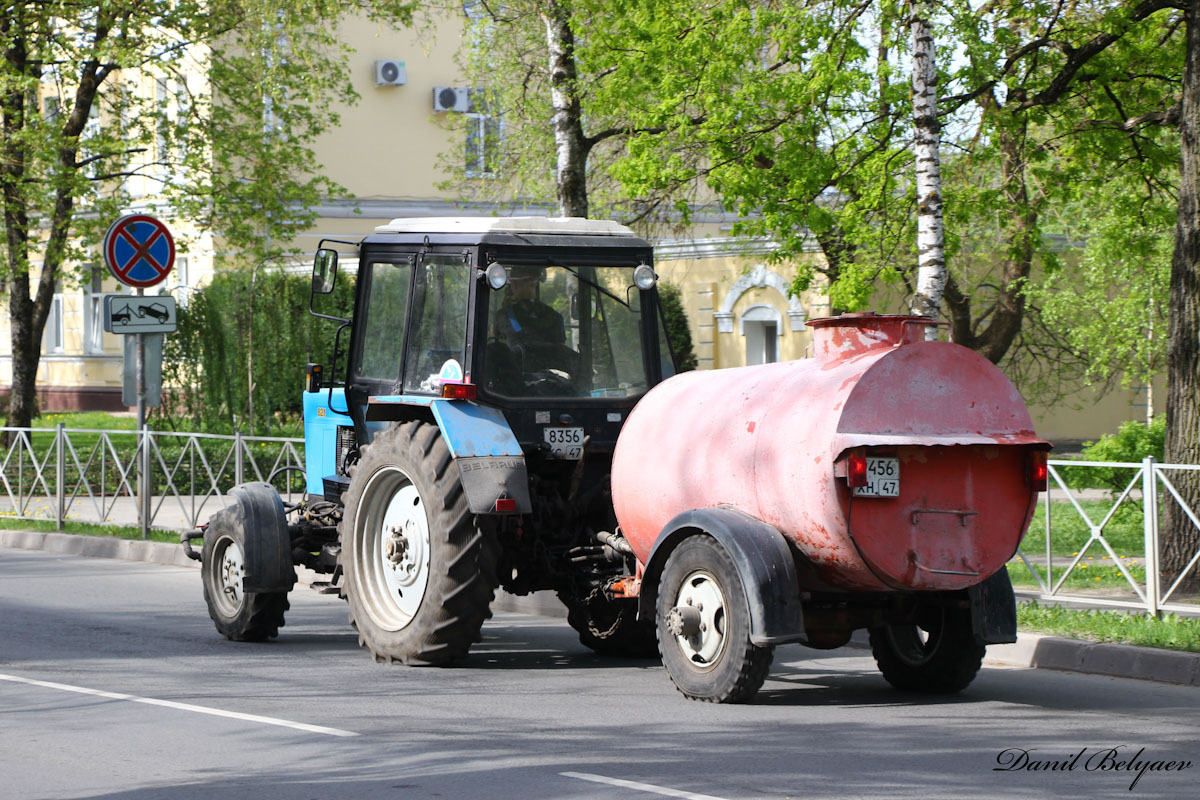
column 239, row 615
column 419, row 569
column 611, row 627
column 942, row 658
column 717, row 663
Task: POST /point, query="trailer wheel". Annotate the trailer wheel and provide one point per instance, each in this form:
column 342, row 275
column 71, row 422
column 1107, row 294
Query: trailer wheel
column 703, row 625
column 940, row 656
column 239, row 615
column 419, row 572
column 611, row 627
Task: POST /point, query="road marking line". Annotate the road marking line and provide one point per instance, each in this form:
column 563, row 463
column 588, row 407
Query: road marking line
column 216, row 712
column 641, row 787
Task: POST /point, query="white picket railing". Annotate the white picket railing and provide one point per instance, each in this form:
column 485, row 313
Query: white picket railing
column 1147, row 493
column 157, row 479
column 147, row 479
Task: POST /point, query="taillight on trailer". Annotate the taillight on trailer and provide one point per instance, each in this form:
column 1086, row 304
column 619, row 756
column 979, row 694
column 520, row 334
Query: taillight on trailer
column 505, row 504
column 459, row 391
column 856, row 471
column 1037, row 471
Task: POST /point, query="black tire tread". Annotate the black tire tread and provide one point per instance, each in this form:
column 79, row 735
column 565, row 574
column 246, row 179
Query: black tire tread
column 461, row 588
column 950, row 668
column 754, row 661
column 262, row 613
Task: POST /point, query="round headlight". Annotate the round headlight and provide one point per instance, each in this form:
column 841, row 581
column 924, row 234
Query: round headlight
column 497, row 276
column 644, row 277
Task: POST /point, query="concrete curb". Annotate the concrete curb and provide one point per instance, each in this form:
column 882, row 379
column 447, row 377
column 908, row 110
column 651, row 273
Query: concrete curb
column 1032, row 651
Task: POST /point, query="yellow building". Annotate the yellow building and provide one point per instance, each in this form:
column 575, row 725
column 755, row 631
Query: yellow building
column 387, row 153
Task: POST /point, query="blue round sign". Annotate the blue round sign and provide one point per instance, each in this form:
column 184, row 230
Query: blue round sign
column 139, row 250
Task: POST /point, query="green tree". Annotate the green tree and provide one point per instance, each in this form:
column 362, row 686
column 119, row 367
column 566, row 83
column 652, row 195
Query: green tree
column 228, row 150
column 549, row 135
column 679, row 333
column 227, row 351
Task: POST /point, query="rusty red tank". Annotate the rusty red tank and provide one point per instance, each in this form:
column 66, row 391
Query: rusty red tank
column 938, row 439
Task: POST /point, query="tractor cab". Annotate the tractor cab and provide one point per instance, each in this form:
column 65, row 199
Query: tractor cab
column 552, row 324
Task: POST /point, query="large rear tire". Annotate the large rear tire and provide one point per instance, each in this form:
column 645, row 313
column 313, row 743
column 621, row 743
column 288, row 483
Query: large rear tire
column 940, row 656
column 239, row 615
column 703, row 624
column 419, row 572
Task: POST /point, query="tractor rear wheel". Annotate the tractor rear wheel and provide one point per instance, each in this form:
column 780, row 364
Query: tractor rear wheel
column 939, row 656
column 703, row 625
column 419, row 571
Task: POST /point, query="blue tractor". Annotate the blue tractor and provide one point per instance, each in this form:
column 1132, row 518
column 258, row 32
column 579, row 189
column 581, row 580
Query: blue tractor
column 490, row 366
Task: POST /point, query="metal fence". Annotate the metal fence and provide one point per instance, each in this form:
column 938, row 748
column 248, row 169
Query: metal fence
column 1147, row 494
column 147, row 479
column 155, row 479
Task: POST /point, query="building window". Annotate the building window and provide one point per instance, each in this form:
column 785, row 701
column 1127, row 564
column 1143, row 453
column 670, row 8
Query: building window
column 761, row 327
column 179, row 281
column 52, row 336
column 483, row 137
column 93, row 310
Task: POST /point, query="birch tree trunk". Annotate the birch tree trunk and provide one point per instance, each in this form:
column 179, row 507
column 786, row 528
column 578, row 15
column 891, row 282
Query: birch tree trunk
column 1181, row 539
column 931, row 257
column 570, row 145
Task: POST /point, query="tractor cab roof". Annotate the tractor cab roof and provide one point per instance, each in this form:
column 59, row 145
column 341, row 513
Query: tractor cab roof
column 513, row 231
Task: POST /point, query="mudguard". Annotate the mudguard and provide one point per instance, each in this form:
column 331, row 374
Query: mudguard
column 490, row 462
column 258, row 513
column 763, row 560
column 994, row 610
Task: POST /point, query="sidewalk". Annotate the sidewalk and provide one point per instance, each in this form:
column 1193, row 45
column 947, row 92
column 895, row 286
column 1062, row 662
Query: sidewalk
column 1032, row 651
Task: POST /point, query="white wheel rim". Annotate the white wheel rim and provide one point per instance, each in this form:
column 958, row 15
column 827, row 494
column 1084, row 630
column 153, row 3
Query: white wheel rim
column 231, row 576
column 701, row 591
column 394, row 548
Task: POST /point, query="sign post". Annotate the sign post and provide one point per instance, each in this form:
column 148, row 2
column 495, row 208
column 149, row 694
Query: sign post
column 140, row 252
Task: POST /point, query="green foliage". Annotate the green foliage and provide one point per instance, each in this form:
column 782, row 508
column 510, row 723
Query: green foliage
column 247, row 324
column 1171, row 631
column 1132, row 442
column 676, row 322
column 206, row 109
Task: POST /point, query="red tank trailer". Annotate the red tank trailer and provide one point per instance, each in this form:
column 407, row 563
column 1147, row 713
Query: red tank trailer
column 882, row 484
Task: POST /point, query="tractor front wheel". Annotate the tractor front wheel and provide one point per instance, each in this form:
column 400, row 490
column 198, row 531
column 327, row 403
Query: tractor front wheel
column 238, row 614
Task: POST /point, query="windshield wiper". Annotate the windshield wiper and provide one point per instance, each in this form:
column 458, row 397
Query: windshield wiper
column 597, row 286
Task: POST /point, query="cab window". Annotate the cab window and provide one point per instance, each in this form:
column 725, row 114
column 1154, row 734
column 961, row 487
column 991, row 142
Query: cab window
column 439, row 328
column 383, row 327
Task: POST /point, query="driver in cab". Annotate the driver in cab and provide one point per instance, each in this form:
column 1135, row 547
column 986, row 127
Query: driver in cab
column 522, row 316
column 532, row 337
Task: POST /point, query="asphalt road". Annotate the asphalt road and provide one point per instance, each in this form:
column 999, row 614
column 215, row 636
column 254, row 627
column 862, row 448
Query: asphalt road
column 113, row 683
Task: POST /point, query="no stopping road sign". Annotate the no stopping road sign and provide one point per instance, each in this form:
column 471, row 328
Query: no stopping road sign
column 139, row 250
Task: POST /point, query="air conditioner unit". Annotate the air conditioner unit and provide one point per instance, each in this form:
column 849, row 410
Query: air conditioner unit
column 390, row 73
column 449, row 99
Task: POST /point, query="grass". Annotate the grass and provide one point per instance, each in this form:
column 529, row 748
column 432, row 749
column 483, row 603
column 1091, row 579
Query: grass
column 1071, row 534
column 86, row 529
column 1171, row 632
column 87, row 420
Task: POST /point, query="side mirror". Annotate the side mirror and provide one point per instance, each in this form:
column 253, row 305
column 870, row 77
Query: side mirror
column 324, row 271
